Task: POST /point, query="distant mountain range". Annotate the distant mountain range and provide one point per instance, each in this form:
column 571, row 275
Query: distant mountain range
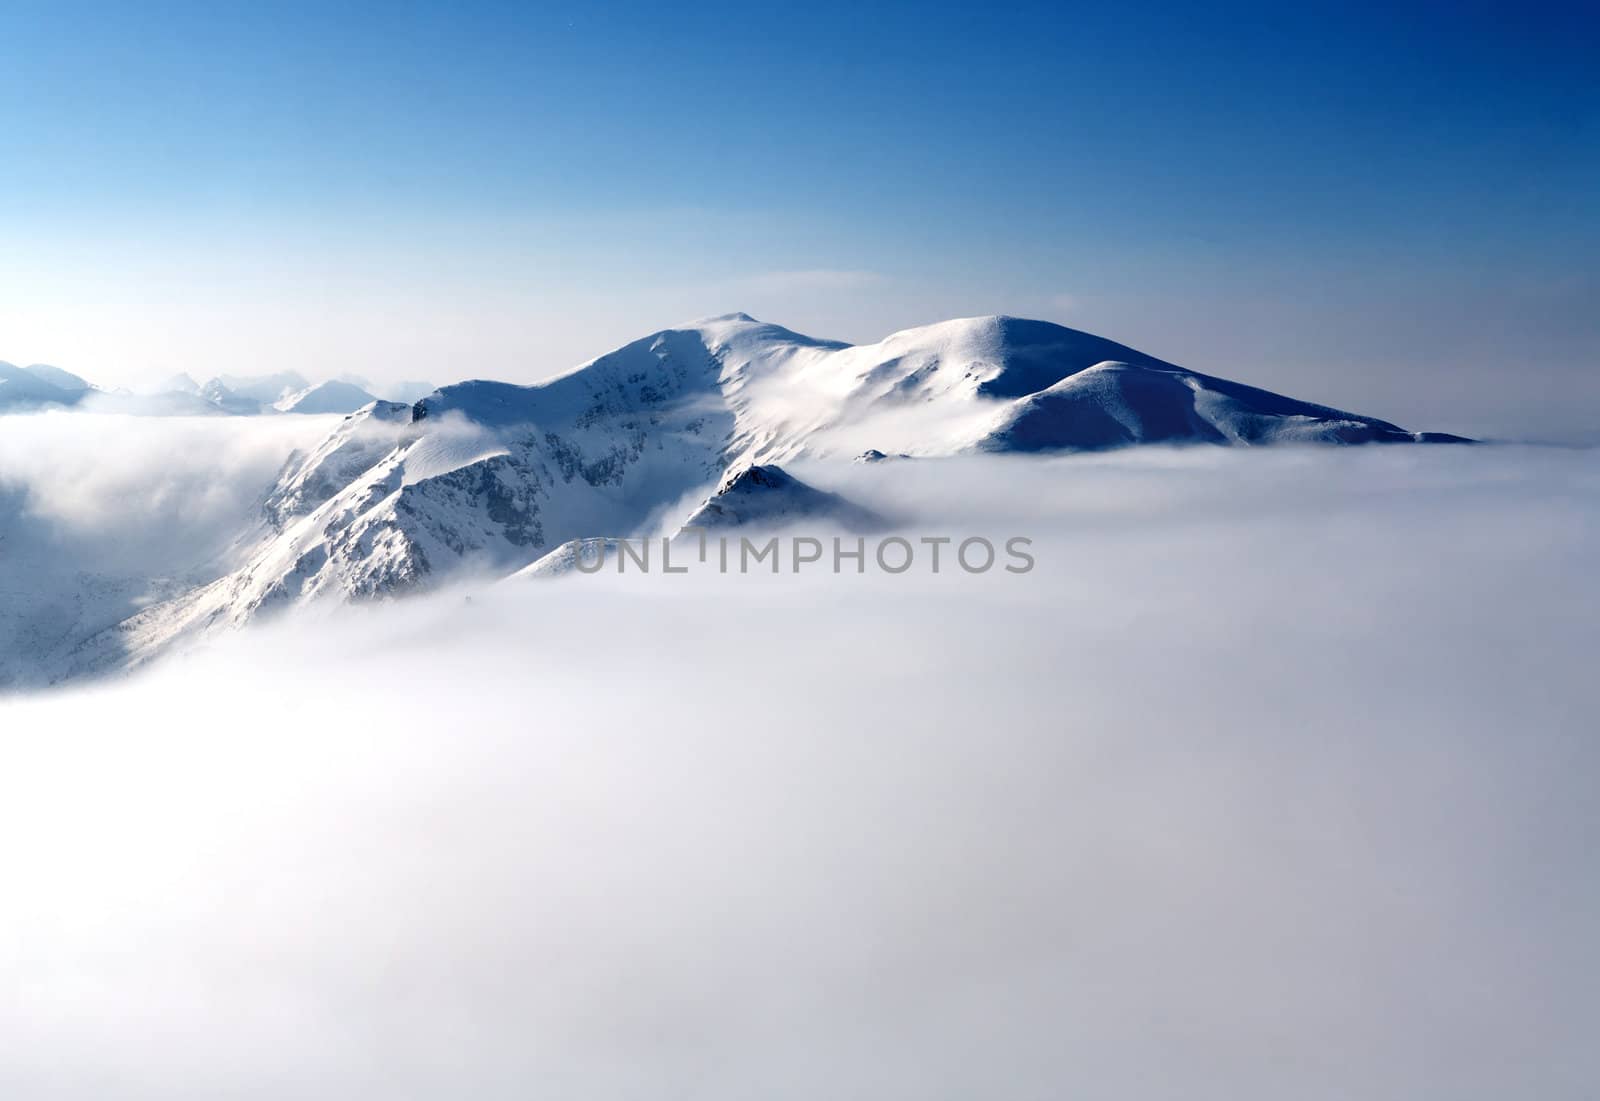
column 499, row 478
column 40, row 386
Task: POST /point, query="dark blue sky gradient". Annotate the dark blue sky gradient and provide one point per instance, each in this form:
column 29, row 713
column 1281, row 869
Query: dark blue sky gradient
column 1356, row 154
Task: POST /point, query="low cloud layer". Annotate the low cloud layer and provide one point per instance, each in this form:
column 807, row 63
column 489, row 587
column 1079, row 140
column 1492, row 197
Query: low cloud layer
column 145, row 492
column 1271, row 780
column 101, row 514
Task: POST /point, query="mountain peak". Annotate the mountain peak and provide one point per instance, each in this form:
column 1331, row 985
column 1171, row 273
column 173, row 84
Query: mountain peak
column 334, row 396
column 767, row 496
column 400, row 497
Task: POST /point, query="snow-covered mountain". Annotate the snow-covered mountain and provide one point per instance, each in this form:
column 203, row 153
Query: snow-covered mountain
column 38, row 386
column 229, row 400
column 762, row 498
column 595, row 554
column 325, row 397
column 55, row 376
column 770, row 498
column 263, row 389
column 492, row 476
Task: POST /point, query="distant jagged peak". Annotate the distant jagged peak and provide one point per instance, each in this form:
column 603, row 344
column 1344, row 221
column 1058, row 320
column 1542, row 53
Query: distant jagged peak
column 265, row 389
column 224, row 397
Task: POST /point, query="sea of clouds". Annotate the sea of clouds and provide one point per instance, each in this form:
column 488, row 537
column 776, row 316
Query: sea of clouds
column 101, row 514
column 1273, row 779
column 141, row 494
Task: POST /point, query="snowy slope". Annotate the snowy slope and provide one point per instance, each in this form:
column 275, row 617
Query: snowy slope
column 596, row 553
column 351, row 449
column 55, row 376
column 996, row 384
column 989, row 383
column 492, row 477
column 1114, row 404
column 326, row 397
column 769, row 498
column 22, row 388
column 100, row 518
column 232, row 401
column 761, row 498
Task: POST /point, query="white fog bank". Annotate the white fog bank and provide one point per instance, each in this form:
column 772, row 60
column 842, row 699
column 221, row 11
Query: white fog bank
column 100, row 515
column 1273, row 779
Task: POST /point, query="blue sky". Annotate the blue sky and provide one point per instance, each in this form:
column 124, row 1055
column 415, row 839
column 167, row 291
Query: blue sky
column 1388, row 208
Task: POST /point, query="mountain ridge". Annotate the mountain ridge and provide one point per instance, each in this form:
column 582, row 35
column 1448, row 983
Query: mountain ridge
column 491, row 476
column 41, row 387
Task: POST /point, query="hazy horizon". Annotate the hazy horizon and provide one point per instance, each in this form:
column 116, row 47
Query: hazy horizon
column 1477, row 405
